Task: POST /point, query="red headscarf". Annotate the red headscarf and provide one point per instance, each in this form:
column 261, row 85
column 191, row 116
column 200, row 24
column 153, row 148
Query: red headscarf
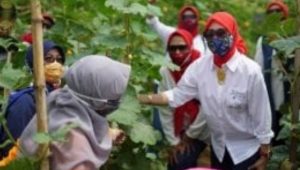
column 284, row 8
column 192, row 107
column 194, row 30
column 229, row 23
column 27, row 37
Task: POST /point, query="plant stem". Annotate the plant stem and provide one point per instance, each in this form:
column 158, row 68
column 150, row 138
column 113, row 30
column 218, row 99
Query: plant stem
column 128, row 48
column 39, row 79
column 295, row 99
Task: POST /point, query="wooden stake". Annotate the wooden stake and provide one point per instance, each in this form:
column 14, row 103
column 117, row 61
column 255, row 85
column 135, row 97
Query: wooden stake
column 39, row 79
column 295, row 100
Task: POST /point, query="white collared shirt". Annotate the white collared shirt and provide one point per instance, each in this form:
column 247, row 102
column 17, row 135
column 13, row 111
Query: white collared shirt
column 237, row 112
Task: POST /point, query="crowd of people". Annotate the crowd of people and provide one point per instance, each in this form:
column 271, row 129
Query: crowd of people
column 219, row 98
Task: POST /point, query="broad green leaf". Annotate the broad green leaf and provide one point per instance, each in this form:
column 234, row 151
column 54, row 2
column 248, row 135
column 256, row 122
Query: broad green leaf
column 127, row 113
column 112, row 42
column 116, row 4
column 23, row 163
column 141, row 132
column 284, row 133
column 13, row 78
column 154, row 10
column 288, row 45
column 137, row 8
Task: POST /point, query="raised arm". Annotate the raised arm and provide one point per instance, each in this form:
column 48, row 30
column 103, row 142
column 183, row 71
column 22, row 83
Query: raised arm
column 160, row 28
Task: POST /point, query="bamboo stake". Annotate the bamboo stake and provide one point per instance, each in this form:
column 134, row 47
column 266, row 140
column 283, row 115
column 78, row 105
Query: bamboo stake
column 39, row 79
column 295, row 99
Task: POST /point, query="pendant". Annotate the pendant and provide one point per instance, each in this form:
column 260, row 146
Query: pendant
column 221, row 75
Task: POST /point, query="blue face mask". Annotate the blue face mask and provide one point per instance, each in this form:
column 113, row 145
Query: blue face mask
column 220, row 45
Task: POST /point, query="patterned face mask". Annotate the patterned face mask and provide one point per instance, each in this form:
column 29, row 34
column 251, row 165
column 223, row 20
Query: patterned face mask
column 220, row 45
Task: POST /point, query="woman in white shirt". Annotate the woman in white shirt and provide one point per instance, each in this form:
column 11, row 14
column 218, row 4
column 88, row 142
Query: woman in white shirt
column 233, row 98
column 176, row 122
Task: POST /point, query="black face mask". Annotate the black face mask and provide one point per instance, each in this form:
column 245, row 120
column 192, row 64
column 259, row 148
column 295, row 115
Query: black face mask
column 109, row 107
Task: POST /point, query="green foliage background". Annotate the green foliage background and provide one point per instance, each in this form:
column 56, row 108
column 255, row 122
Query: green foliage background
column 117, row 28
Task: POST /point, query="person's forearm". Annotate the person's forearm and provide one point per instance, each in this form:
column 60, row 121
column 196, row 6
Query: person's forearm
column 265, row 150
column 154, row 99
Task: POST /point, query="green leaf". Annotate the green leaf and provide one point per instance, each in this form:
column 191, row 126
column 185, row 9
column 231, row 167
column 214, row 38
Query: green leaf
column 151, row 156
column 141, row 132
column 288, row 45
column 42, row 138
column 127, row 113
column 284, row 133
column 60, row 134
column 22, row 163
column 137, row 8
column 13, row 78
column 116, row 4
column 154, row 10
column 6, row 143
column 112, row 42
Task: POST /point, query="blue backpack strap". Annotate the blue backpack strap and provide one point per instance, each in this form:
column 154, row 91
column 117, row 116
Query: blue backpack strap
column 15, row 95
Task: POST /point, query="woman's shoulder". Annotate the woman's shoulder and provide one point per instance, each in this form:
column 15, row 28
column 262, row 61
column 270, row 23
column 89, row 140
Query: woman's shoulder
column 249, row 64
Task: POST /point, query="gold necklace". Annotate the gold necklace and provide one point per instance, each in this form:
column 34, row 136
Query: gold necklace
column 221, row 75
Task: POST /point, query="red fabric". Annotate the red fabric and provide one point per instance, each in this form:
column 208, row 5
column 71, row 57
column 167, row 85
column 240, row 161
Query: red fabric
column 181, row 25
column 229, row 23
column 191, row 107
column 27, row 37
column 282, row 5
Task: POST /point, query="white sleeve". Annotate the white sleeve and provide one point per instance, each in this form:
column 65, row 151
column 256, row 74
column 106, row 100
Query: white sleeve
column 259, row 109
column 161, row 29
column 186, row 89
column 166, row 113
column 199, row 129
column 259, row 57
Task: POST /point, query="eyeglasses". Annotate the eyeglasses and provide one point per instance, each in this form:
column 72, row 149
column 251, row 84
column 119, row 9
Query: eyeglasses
column 50, row 59
column 274, row 11
column 174, row 48
column 184, row 17
column 209, row 34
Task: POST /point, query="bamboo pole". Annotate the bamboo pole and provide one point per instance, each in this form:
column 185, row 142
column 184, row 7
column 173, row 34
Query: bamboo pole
column 39, row 79
column 295, row 99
